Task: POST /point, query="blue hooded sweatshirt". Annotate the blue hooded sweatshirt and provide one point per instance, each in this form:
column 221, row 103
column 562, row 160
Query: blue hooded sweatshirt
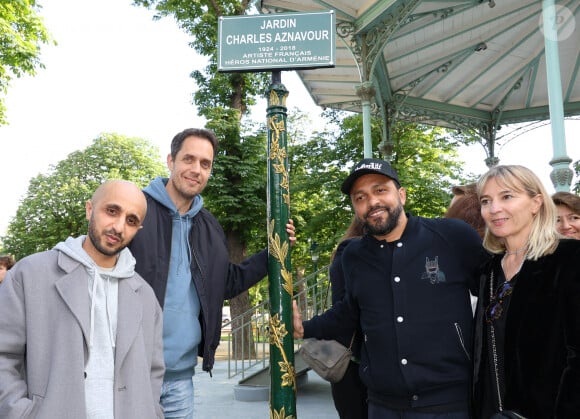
column 181, row 308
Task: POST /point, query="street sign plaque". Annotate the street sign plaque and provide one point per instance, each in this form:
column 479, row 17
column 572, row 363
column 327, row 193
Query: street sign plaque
column 280, row 41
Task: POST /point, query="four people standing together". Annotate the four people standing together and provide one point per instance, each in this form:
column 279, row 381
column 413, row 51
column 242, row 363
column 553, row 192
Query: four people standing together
column 402, row 282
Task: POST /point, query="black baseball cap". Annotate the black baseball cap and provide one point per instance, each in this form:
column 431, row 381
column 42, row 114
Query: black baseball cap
column 368, row 166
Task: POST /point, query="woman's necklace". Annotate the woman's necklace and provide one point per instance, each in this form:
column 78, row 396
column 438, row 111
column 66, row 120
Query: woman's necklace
column 517, row 251
column 507, row 276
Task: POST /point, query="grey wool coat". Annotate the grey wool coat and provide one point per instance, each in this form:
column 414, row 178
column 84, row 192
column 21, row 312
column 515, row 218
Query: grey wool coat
column 44, row 333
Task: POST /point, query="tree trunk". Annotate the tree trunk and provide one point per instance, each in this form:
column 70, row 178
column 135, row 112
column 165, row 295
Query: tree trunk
column 242, row 338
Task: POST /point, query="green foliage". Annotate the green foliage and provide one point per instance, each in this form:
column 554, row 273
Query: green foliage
column 22, row 33
column 317, row 168
column 236, row 192
column 424, row 157
column 427, row 162
column 54, row 205
column 319, row 160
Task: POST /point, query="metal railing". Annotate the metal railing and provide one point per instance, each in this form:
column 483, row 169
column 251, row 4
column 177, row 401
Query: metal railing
column 313, row 295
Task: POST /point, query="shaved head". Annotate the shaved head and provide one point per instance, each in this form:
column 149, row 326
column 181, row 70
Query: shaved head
column 124, row 190
column 115, row 212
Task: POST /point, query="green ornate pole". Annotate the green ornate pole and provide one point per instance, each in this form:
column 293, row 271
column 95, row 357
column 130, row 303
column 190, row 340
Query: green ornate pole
column 282, row 372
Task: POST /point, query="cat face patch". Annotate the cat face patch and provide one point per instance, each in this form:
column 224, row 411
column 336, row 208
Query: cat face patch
column 432, row 272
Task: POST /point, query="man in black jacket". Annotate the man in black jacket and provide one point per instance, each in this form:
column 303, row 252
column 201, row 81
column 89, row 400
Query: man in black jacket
column 407, row 288
column 182, row 253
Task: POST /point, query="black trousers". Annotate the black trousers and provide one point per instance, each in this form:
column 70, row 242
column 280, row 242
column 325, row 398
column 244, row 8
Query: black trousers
column 350, row 395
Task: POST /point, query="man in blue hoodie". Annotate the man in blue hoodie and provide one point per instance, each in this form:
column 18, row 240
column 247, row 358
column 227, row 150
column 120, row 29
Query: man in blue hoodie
column 182, row 253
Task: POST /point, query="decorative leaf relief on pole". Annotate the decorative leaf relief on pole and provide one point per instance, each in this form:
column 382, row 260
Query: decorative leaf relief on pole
column 280, row 415
column 283, row 374
column 277, row 333
column 280, row 252
column 278, row 154
column 275, row 99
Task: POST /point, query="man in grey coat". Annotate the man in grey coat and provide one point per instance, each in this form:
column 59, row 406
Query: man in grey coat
column 81, row 331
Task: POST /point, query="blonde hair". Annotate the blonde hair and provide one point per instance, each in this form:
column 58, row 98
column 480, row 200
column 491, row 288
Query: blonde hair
column 544, row 237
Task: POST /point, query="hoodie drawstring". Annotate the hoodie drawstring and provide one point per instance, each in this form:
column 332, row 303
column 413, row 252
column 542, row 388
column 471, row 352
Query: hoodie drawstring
column 97, row 278
column 112, row 337
column 93, row 301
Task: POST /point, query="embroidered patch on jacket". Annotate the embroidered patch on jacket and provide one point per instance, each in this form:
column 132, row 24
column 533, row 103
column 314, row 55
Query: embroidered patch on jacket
column 432, row 272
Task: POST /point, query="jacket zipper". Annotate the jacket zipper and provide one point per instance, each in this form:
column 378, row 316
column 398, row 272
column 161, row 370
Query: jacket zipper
column 461, row 340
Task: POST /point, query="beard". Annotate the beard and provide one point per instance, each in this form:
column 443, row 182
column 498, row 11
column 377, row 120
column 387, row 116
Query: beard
column 185, row 191
column 383, row 228
column 94, row 238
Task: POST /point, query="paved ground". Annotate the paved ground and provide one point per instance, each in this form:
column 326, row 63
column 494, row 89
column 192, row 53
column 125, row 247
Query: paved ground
column 214, row 398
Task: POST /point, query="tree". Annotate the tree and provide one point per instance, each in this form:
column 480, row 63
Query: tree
column 22, row 33
column 53, row 207
column 235, row 192
column 236, row 195
column 425, row 158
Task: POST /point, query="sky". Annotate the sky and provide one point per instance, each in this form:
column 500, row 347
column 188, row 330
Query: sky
column 115, row 70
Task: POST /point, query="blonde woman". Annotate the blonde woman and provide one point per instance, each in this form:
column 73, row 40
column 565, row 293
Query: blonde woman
column 527, row 343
